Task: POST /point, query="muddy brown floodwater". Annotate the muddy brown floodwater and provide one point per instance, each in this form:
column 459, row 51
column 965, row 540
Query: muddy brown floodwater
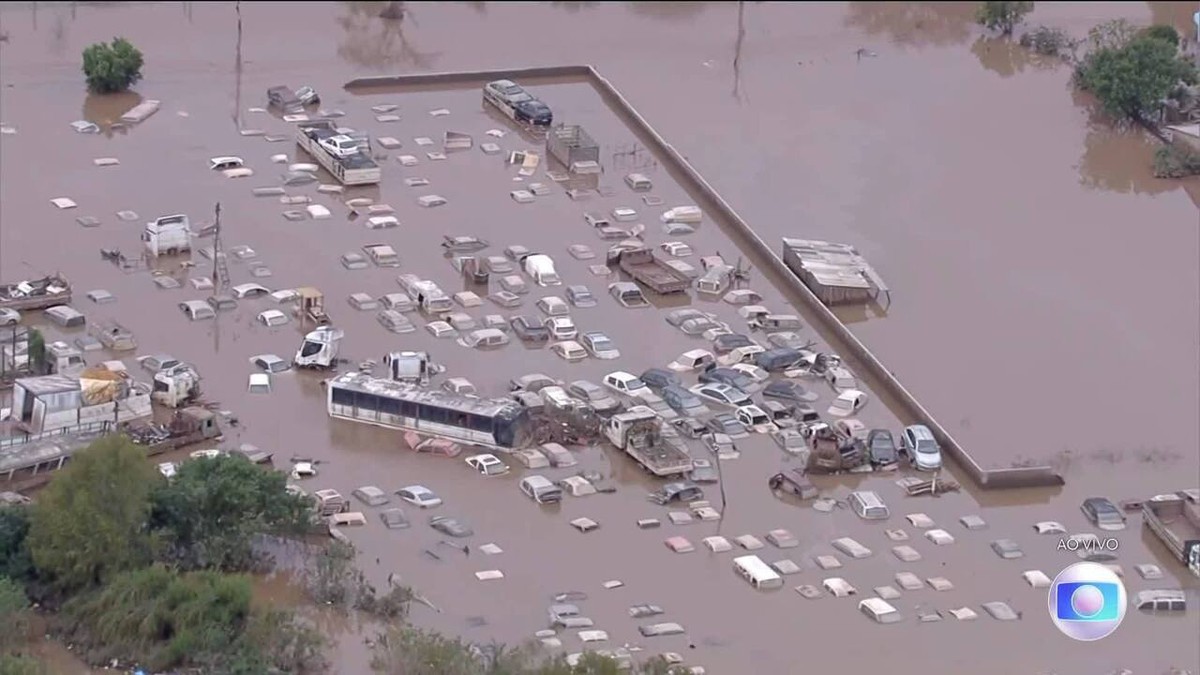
column 1046, row 286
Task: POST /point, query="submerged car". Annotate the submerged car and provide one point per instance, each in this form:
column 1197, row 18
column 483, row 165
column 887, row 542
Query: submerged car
column 1103, row 513
column 594, row 395
column 529, row 329
column 487, row 464
column 450, row 526
column 881, row 447
column 419, row 495
column 599, row 345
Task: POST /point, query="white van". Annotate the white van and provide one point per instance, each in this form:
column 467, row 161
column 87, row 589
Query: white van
column 541, row 490
column 868, row 505
column 714, row 281
column 756, row 572
column 540, row 268
column 168, row 235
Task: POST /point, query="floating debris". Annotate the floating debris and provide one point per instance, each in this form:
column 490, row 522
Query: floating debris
column 384, row 108
column 106, row 161
column 440, row 112
column 85, row 127
column 489, row 148
column 252, row 132
column 387, row 118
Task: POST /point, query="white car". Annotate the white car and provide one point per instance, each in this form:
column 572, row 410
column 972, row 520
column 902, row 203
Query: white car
column 847, row 403
column 487, row 465
column 440, row 329
column 340, row 145
column 223, row 163
column 561, row 327
column 9, row 317
column 270, row 363
column 285, row 295
column 626, row 383
column 752, row 371
column 755, row 419
column 677, row 249
column 272, row 317
column 249, row 291
column 552, row 305
column 420, row 496
column 569, row 350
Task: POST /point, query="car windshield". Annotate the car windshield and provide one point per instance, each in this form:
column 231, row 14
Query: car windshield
column 600, row 343
column 519, row 97
column 926, row 448
column 635, row 383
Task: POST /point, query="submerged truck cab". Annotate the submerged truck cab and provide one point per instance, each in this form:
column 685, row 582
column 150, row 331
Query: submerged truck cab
column 168, row 235
column 319, row 349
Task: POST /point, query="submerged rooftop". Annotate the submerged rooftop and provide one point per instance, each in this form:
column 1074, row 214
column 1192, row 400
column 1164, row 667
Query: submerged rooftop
column 835, row 272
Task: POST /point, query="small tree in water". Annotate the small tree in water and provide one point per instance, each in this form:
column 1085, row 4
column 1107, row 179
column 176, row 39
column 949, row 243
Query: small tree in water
column 1002, row 16
column 112, row 67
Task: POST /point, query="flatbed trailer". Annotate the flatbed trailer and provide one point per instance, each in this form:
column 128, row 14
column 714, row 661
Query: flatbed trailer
column 36, row 293
column 357, row 169
column 638, row 433
column 1175, row 520
column 648, row 270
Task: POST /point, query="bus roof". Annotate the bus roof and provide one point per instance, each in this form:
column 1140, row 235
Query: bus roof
column 410, row 392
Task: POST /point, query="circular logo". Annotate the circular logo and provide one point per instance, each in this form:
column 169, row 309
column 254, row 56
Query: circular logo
column 1087, row 601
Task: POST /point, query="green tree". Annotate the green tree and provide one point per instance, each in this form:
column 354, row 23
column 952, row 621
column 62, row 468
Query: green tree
column 210, row 513
column 37, row 349
column 112, row 67
column 1002, row 16
column 412, row 651
column 1131, row 80
column 15, row 561
column 14, row 616
column 90, row 521
column 1165, row 33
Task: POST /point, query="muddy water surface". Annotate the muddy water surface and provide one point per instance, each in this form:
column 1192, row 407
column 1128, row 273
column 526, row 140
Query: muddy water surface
column 1045, row 285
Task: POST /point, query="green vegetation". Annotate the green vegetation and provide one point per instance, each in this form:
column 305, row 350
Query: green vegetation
column 210, row 513
column 1002, row 16
column 1176, row 161
column 144, row 569
column 1130, row 71
column 170, row 619
column 1164, row 33
column 37, row 349
column 1046, row 41
column 90, row 522
column 112, row 67
column 141, row 569
column 405, row 650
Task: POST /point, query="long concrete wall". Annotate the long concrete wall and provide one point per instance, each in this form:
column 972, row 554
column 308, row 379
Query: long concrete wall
column 839, row 337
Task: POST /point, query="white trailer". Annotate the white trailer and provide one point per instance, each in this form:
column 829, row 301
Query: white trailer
column 351, row 169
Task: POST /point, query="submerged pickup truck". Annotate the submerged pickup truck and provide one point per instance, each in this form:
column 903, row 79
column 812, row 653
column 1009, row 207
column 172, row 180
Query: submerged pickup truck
column 1175, row 520
column 648, row 270
column 349, row 167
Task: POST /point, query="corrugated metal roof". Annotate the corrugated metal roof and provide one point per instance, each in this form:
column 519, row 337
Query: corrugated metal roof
column 832, row 264
column 48, row 384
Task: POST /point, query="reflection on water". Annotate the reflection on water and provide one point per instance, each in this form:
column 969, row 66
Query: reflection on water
column 105, row 110
column 914, row 23
column 573, row 6
column 668, row 10
column 375, row 36
column 1117, row 159
column 1007, row 57
column 1177, row 14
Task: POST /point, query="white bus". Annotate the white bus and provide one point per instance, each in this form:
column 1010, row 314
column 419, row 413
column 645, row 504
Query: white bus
column 494, row 423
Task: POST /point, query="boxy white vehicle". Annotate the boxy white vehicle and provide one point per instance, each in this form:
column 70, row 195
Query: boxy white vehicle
column 756, row 572
column 168, row 235
column 540, row 268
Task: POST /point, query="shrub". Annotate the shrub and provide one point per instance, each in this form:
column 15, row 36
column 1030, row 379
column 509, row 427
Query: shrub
column 112, row 67
column 1002, row 16
column 1164, row 33
column 1174, row 161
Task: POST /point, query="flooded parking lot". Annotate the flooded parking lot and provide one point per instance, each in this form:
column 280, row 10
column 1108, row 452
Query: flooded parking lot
column 164, row 170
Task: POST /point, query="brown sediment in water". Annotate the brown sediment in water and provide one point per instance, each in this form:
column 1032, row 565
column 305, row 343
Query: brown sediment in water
column 1029, row 315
